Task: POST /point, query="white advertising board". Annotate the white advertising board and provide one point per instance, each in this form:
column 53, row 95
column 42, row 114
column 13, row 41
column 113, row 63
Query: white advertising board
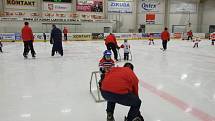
column 150, row 6
column 49, row 6
column 120, row 7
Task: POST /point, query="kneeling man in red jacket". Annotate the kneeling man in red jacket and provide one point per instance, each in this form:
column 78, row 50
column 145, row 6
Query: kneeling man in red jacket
column 120, row 85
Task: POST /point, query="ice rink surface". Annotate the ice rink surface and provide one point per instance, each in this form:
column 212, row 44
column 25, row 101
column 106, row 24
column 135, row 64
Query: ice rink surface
column 176, row 85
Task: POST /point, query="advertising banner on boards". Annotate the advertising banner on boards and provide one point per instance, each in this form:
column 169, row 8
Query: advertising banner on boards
column 120, row 7
column 89, row 5
column 21, row 4
column 49, row 6
column 150, row 6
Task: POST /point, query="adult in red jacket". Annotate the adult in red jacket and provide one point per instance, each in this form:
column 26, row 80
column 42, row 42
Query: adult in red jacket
column 190, row 35
column 165, row 37
column 28, row 38
column 120, row 85
column 111, row 44
column 65, row 32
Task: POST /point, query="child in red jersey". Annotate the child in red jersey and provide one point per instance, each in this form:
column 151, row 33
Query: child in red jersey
column 106, row 63
column 151, row 39
column 212, row 37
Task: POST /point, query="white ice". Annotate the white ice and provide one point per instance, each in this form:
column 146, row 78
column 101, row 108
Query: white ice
column 57, row 88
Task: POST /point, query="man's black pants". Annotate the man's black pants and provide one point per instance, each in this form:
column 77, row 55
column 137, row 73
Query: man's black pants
column 164, row 43
column 28, row 45
column 112, row 46
column 128, row 99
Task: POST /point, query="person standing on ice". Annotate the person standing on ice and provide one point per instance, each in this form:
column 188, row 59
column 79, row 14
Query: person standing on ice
column 196, row 41
column 44, row 36
column 106, row 63
column 120, row 85
column 28, row 39
column 165, row 37
column 1, row 46
column 111, row 44
column 56, row 40
column 190, row 35
column 65, row 32
column 151, row 39
column 126, row 47
column 212, row 37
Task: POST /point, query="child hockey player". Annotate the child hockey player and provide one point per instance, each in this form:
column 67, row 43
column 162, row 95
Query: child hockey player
column 212, row 37
column 126, row 47
column 196, row 42
column 106, row 63
column 151, row 39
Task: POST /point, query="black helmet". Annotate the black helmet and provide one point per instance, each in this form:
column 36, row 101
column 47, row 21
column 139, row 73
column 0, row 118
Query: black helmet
column 129, row 65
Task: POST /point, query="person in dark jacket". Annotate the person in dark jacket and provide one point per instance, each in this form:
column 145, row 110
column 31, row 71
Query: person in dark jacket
column 44, row 36
column 1, row 46
column 120, row 85
column 56, row 40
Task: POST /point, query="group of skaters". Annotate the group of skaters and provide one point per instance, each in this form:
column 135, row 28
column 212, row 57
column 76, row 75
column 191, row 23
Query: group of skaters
column 28, row 40
column 119, row 85
column 197, row 39
column 165, row 37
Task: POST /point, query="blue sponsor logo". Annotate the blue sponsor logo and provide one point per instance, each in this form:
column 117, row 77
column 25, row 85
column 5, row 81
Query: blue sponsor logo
column 17, row 36
column 120, row 4
column 149, row 6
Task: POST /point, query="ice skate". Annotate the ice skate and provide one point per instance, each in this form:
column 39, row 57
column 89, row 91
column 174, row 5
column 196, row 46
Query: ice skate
column 125, row 119
column 138, row 119
column 33, row 56
column 110, row 117
column 25, row 56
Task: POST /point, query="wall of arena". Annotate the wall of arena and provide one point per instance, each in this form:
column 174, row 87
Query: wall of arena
column 38, row 37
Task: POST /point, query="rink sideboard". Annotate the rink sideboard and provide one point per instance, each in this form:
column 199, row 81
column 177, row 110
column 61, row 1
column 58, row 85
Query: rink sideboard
column 98, row 36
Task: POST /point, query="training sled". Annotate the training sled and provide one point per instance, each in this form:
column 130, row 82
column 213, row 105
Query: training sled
column 94, row 87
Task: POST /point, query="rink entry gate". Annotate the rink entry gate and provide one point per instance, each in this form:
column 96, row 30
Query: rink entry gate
column 94, row 87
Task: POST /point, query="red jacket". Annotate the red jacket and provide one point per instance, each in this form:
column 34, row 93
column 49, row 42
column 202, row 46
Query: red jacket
column 212, row 36
column 165, row 35
column 27, row 34
column 110, row 39
column 120, row 80
column 65, row 31
column 190, row 33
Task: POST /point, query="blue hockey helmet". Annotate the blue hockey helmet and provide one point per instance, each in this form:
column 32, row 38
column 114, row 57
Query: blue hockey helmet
column 107, row 53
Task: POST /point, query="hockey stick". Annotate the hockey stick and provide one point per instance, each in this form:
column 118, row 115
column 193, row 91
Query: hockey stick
column 130, row 54
column 120, row 59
